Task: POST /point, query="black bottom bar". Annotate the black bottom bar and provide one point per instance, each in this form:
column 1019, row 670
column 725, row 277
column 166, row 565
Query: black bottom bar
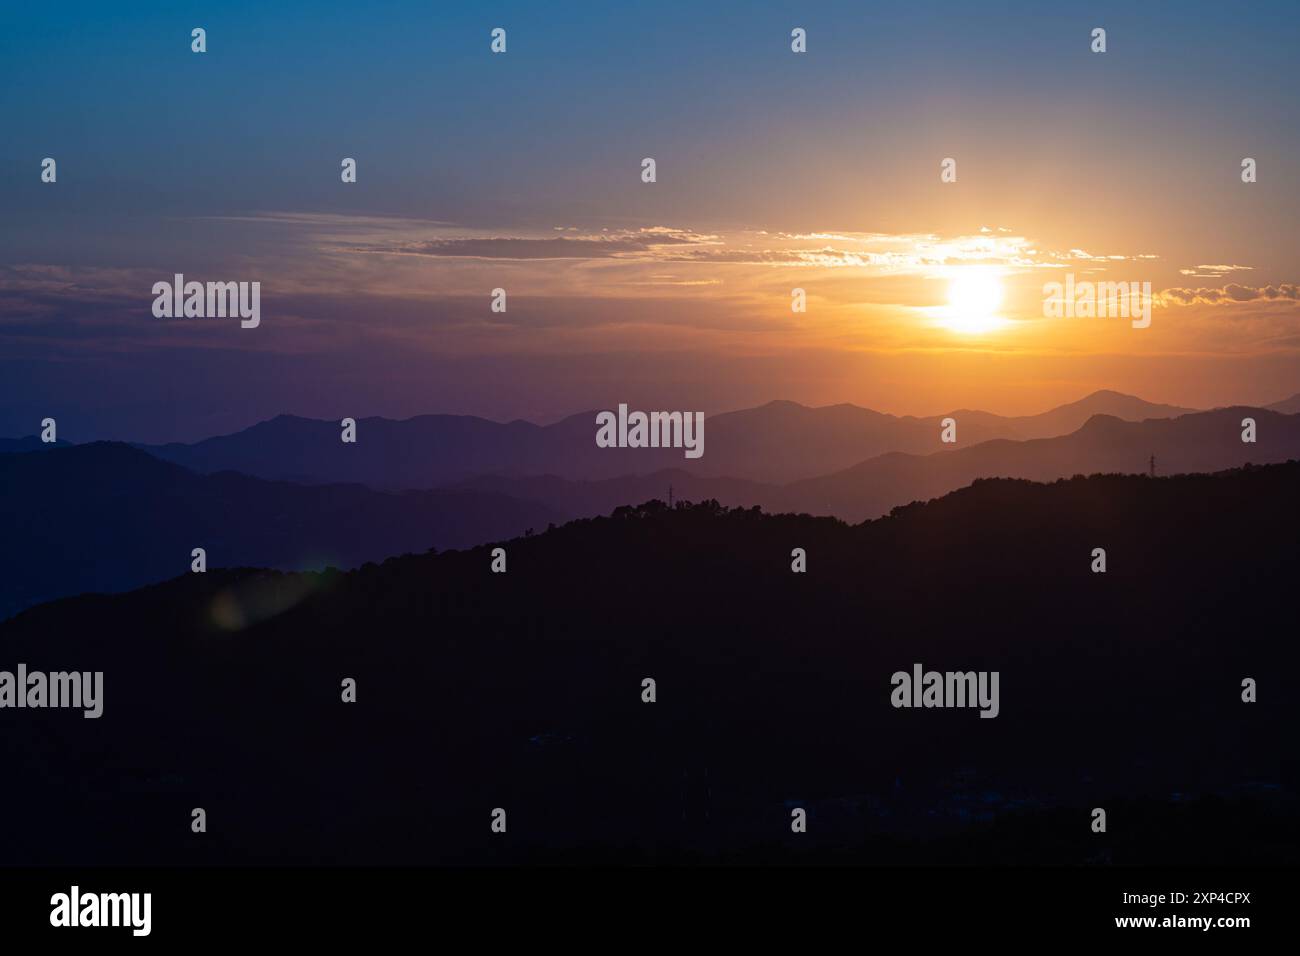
column 798, row 904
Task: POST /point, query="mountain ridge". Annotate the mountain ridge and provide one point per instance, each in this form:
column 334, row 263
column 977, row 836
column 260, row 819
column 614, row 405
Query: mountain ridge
column 777, row 442
column 1201, row 442
column 128, row 518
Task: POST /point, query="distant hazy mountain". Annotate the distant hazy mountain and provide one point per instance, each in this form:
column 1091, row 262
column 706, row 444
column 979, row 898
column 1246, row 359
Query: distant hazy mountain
column 1200, row 442
column 106, row 517
column 1288, row 406
column 413, row 453
column 1203, row 442
column 777, row 442
column 1069, row 418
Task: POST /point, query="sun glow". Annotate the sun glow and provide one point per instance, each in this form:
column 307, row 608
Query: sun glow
column 974, row 296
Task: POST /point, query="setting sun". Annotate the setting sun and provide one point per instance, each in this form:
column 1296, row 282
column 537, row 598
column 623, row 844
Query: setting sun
column 974, row 295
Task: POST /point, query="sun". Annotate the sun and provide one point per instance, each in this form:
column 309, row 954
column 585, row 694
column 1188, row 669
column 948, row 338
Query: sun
column 974, row 295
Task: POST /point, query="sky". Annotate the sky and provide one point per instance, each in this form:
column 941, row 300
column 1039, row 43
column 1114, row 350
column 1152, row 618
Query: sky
column 523, row 171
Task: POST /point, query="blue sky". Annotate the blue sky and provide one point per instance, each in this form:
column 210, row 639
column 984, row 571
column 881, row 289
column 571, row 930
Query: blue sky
column 443, row 129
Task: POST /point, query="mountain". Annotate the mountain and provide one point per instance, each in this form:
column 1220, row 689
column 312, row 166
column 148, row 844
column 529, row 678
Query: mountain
column 777, row 442
column 29, row 443
column 105, row 499
column 783, row 441
column 1289, row 406
column 1200, row 442
column 1071, row 417
column 106, row 517
column 1203, row 442
column 773, row 691
column 415, row 453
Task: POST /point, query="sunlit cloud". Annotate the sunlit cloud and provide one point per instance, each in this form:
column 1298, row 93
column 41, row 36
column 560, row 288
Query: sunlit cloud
column 576, row 287
column 1213, row 272
column 1230, row 294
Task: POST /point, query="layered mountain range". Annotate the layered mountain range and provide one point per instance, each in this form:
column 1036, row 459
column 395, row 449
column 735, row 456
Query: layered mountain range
column 289, row 494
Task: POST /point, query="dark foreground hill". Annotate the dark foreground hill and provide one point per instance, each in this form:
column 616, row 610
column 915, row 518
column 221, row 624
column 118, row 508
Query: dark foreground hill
column 523, row 691
column 106, row 517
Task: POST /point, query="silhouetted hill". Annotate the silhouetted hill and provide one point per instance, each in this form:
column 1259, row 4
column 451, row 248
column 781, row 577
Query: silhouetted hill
column 523, row 691
column 585, row 499
column 777, row 442
column 29, row 443
column 106, row 517
column 1200, row 442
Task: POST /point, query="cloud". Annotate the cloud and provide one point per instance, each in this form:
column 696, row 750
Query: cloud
column 886, row 254
column 1083, row 255
column 643, row 242
column 1213, row 272
column 1229, row 294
